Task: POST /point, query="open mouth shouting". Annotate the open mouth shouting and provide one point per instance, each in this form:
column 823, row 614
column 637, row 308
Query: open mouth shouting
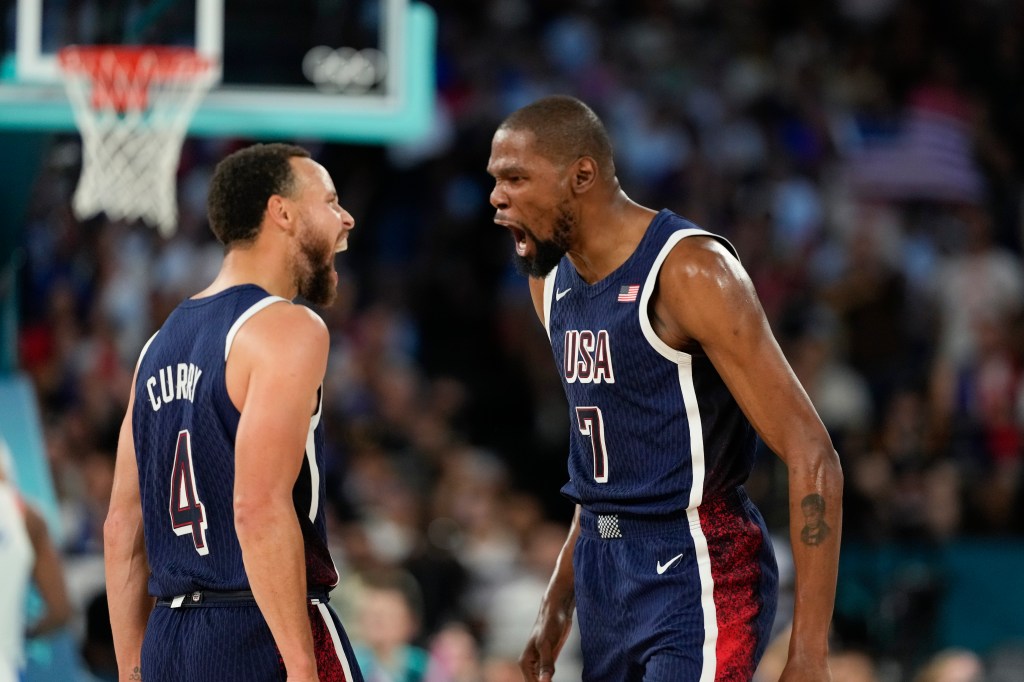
column 520, row 237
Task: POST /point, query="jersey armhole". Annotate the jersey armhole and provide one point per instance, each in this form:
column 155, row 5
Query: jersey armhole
column 244, row 317
column 663, row 349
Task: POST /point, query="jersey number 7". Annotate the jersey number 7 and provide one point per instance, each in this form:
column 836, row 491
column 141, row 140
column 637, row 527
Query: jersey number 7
column 188, row 515
column 591, row 424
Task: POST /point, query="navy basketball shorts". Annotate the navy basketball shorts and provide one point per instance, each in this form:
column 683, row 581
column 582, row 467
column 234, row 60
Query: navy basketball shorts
column 684, row 599
column 231, row 642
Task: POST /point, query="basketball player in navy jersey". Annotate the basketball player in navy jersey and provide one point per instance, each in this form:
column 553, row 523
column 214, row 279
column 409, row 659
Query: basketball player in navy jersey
column 215, row 548
column 671, row 371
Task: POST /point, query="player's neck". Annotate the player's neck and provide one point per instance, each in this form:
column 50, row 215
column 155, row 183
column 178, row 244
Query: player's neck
column 254, row 265
column 608, row 237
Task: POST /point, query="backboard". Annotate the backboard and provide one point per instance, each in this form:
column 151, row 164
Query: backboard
column 355, row 70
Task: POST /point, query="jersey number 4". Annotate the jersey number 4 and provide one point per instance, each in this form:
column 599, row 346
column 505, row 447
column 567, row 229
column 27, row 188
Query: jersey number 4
column 188, row 515
column 591, row 424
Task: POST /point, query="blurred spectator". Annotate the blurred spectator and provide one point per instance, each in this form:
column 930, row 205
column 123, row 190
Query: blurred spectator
column 979, row 280
column 870, row 296
column 513, row 607
column 29, row 558
column 853, row 666
column 454, row 655
column 472, row 491
column 389, row 619
column 952, row 665
column 975, row 405
column 840, row 395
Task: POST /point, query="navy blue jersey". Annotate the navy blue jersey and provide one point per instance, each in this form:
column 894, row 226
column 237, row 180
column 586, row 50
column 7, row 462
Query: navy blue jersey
column 654, row 430
column 184, row 427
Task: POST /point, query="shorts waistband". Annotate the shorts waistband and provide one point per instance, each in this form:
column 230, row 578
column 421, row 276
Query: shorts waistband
column 621, row 525
column 207, row 598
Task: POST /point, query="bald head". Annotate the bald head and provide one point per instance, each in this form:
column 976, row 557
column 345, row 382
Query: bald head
column 564, row 129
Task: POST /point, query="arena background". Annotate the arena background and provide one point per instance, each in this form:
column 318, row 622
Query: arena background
column 864, row 156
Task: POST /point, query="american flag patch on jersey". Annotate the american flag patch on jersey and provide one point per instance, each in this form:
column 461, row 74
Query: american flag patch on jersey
column 628, row 292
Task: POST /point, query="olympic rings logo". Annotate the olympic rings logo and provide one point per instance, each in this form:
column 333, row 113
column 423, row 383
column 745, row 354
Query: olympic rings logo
column 344, row 69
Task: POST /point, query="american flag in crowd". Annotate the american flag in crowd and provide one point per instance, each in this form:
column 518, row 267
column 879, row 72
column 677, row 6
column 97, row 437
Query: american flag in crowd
column 628, row 292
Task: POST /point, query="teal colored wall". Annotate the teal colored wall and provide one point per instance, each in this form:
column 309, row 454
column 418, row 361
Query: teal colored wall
column 21, row 428
column 914, row 599
column 23, row 152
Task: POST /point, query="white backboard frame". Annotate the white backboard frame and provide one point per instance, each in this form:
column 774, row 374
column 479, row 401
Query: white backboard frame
column 32, row 98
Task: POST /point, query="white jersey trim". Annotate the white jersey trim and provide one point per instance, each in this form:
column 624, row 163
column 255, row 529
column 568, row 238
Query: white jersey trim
column 549, row 288
column 314, row 472
column 244, row 317
column 700, row 542
column 709, row 665
column 663, row 349
column 142, row 353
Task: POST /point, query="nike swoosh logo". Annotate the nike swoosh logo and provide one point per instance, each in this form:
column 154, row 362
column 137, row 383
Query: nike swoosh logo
column 559, row 295
column 671, row 562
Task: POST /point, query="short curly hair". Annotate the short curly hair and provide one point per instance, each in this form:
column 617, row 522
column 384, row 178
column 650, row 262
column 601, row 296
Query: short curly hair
column 242, row 184
column 565, row 129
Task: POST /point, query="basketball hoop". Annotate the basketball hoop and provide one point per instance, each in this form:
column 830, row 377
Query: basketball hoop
column 132, row 105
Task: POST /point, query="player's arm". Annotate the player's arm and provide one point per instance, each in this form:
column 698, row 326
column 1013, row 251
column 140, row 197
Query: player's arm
column 48, row 575
column 124, row 556
column 554, row 621
column 279, row 358
column 706, row 296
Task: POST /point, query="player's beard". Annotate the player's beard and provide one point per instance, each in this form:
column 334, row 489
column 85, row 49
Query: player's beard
column 548, row 252
column 314, row 271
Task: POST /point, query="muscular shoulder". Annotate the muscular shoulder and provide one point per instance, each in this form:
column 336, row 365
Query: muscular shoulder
column 700, row 260
column 282, row 348
column 281, row 331
column 700, row 283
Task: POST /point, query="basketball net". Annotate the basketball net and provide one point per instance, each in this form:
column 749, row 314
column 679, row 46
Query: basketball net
column 132, row 106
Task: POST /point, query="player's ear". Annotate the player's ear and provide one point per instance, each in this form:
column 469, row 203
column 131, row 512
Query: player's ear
column 584, row 174
column 279, row 210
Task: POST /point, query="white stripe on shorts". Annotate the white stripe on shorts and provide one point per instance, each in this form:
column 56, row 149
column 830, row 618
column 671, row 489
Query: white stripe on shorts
column 336, row 638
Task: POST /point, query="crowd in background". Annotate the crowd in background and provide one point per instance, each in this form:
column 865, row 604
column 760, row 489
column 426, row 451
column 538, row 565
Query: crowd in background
column 864, row 157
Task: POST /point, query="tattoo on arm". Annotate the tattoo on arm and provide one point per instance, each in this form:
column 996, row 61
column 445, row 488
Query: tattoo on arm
column 815, row 530
column 136, row 674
